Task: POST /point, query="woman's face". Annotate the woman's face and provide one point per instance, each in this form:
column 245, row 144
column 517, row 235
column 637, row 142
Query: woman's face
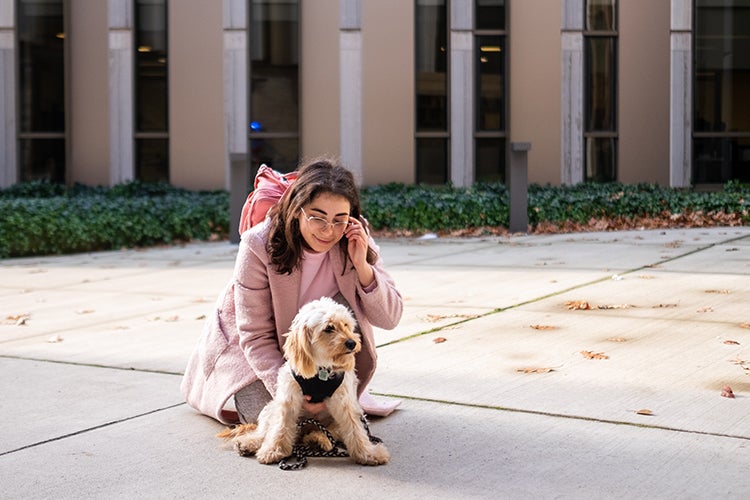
column 323, row 221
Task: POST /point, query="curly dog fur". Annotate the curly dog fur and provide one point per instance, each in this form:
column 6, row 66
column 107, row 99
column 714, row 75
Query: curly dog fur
column 321, row 336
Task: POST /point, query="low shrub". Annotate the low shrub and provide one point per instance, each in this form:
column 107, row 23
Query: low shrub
column 39, row 218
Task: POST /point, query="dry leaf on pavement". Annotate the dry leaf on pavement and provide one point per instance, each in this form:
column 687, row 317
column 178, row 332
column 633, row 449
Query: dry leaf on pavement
column 731, row 342
column 576, row 305
column 535, row 370
column 543, row 327
column 594, row 355
column 439, row 340
column 644, row 411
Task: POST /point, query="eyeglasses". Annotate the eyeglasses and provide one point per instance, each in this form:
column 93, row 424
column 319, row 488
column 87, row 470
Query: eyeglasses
column 321, row 224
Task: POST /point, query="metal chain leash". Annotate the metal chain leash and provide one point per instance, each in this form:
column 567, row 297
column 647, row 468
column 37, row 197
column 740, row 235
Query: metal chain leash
column 300, row 452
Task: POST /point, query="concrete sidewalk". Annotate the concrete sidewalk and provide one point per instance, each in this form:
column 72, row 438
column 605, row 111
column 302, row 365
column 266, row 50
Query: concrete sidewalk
column 498, row 399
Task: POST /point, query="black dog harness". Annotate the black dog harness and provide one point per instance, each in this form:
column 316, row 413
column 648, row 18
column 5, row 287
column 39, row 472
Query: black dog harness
column 321, row 386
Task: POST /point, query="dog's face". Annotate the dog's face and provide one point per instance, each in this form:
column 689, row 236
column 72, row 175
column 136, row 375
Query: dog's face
column 322, row 335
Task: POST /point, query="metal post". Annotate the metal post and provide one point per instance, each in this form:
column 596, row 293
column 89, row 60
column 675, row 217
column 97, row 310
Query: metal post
column 518, row 186
column 239, row 177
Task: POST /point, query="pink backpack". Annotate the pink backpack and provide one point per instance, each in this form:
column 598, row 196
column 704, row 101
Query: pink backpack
column 268, row 188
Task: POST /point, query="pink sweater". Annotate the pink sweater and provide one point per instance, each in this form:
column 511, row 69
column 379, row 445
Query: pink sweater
column 241, row 340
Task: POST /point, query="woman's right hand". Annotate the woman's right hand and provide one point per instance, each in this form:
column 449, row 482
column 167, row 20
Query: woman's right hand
column 313, row 408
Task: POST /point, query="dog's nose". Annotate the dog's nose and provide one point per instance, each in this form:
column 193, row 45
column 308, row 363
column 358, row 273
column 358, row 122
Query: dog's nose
column 350, row 344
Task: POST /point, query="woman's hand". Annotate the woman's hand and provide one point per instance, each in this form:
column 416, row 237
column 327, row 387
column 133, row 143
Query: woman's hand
column 357, row 235
column 314, row 408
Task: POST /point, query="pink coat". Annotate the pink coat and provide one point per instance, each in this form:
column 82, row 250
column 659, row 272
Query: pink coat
column 240, row 341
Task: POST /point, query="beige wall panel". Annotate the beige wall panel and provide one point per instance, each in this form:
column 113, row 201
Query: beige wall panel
column 88, row 136
column 196, row 95
column 388, row 91
column 644, row 91
column 319, row 77
column 535, row 73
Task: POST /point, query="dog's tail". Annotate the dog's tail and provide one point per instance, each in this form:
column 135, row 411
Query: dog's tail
column 237, row 430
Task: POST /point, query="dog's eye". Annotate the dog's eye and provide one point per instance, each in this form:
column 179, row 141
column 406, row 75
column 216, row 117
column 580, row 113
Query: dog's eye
column 329, row 329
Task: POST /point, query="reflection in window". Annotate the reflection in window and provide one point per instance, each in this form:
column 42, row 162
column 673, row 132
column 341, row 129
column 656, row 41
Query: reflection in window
column 721, row 121
column 41, row 78
column 151, row 111
column 274, row 84
column 431, row 91
column 600, row 91
column 490, row 74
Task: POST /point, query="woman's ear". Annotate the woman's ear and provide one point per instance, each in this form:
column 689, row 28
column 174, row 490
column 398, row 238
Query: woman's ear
column 298, row 351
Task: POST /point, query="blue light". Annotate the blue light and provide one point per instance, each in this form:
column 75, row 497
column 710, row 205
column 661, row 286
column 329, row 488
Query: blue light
column 255, row 126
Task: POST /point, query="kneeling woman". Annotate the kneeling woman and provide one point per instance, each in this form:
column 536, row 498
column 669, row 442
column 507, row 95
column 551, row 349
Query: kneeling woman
column 313, row 244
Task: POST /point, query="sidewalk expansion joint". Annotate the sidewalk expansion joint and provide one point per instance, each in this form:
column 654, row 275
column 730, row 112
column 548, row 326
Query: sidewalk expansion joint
column 91, row 365
column 90, row 429
column 559, row 292
column 563, row 415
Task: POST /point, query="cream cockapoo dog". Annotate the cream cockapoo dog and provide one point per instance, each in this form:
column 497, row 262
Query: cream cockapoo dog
column 320, row 349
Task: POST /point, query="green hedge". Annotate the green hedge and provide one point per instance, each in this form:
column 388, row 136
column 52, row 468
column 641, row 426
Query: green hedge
column 396, row 206
column 39, row 218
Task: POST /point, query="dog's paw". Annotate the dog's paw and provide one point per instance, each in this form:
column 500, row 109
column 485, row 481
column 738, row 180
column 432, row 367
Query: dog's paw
column 247, row 445
column 271, row 455
column 374, row 454
column 318, row 439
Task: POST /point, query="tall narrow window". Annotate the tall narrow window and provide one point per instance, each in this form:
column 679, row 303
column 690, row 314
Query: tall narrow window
column 600, row 91
column 151, row 111
column 273, row 130
column 721, row 121
column 432, row 125
column 41, row 82
column 490, row 70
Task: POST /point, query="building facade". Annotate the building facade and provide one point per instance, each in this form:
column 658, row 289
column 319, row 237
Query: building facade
column 416, row 91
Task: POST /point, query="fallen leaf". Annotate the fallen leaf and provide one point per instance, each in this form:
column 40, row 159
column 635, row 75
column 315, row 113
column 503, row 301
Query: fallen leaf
column 543, row 327
column 535, row 370
column 18, row 319
column 705, row 309
column 616, row 306
column 576, row 305
column 726, row 392
column 744, row 325
column 201, row 317
column 594, row 355
column 731, row 342
column 644, row 411
column 722, row 292
column 439, row 340
column 664, row 306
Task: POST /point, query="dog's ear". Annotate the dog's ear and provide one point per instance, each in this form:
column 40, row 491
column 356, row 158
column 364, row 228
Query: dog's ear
column 298, row 351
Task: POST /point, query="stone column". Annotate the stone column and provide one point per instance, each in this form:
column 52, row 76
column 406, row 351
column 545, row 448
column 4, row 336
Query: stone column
column 236, row 86
column 121, row 99
column 350, row 80
column 571, row 103
column 461, row 93
column 8, row 162
column 681, row 93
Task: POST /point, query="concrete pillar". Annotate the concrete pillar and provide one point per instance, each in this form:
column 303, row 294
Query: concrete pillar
column 461, row 93
column 8, row 161
column 235, row 86
column 681, row 93
column 518, row 186
column 121, row 165
column 350, row 80
column 571, row 168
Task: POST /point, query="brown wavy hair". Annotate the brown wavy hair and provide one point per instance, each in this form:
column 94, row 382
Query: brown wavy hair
column 319, row 176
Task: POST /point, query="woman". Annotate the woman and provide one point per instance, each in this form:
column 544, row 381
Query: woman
column 313, row 243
